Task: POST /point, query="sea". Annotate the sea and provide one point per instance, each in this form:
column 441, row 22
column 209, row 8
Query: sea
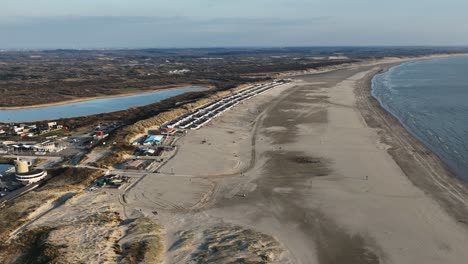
column 430, row 99
column 4, row 167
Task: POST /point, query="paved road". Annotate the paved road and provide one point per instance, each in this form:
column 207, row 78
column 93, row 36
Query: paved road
column 96, row 154
column 51, row 160
column 17, row 193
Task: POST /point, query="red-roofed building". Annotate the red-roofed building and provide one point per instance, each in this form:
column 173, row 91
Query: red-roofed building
column 166, row 130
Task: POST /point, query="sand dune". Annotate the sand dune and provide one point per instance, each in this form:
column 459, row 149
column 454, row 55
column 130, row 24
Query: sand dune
column 309, row 172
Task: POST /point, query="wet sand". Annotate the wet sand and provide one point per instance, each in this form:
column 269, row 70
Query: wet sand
column 322, row 169
column 314, row 171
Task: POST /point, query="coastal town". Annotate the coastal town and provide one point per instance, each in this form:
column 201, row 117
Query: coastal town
column 261, row 167
column 151, row 150
column 233, row 132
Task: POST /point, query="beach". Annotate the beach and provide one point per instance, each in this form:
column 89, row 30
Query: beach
column 317, row 165
column 312, row 171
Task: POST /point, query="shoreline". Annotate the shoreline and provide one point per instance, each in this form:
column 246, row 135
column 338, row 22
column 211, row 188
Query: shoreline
column 385, row 69
column 328, row 174
column 209, row 87
column 321, row 188
column 414, row 158
column 369, row 62
column 85, row 99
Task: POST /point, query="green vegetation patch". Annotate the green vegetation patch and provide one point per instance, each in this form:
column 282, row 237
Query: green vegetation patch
column 69, row 177
column 235, row 244
column 143, row 242
column 31, row 247
column 37, row 245
column 115, row 156
column 184, row 239
column 15, row 214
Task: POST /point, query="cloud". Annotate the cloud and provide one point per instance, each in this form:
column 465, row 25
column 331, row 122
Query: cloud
column 185, row 31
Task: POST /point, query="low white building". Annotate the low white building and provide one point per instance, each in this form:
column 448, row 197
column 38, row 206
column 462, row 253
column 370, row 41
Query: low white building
column 25, row 175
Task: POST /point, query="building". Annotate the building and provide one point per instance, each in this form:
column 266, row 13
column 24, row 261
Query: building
column 25, row 175
column 31, row 176
column 22, row 166
column 49, row 146
column 147, row 151
column 156, row 139
column 46, row 127
column 167, row 131
column 18, row 129
column 135, row 165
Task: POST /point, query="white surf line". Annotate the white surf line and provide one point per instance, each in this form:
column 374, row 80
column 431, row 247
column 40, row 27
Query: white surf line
column 442, row 183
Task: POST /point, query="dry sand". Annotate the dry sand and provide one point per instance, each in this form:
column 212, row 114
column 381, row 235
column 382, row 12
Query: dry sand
column 316, row 177
column 309, row 172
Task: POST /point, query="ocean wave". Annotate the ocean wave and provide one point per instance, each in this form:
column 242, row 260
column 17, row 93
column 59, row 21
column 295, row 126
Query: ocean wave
column 421, row 95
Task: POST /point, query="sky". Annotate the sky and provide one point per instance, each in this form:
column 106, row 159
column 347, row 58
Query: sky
column 50, row 24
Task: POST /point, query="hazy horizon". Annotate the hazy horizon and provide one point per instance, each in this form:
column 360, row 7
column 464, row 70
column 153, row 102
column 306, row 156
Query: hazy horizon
column 52, row 24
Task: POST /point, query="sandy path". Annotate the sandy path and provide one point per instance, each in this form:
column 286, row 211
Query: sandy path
column 323, row 184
